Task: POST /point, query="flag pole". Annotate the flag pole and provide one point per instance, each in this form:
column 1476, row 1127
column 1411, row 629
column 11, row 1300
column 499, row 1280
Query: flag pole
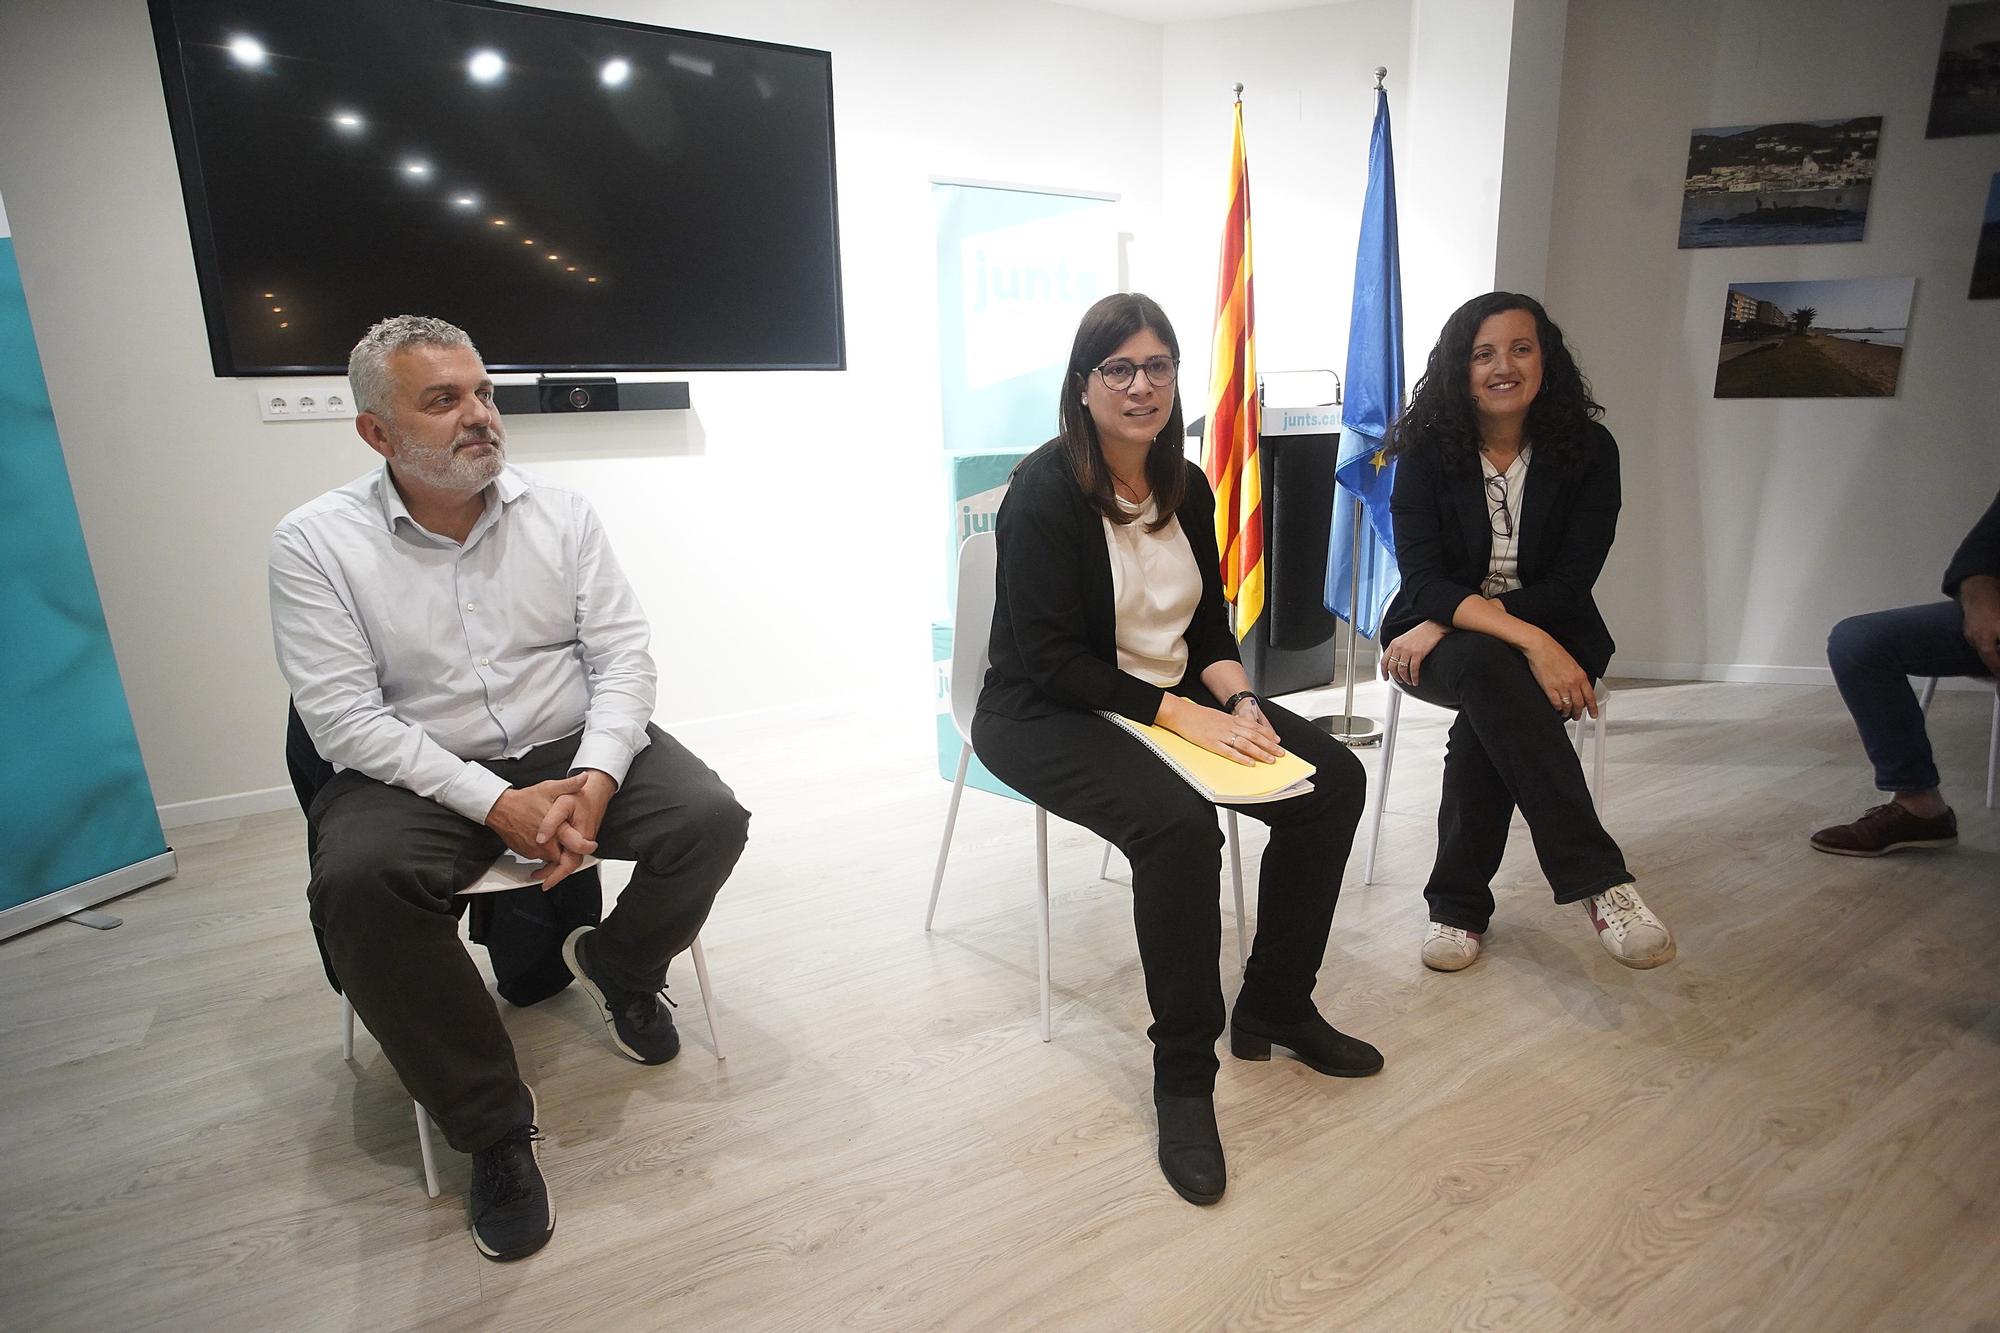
column 1347, row 726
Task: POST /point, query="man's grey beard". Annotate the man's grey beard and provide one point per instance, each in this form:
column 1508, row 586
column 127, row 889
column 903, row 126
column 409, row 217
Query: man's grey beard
column 448, row 469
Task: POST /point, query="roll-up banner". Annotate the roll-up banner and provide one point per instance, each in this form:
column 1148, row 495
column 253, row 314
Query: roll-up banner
column 77, row 819
column 1016, row 269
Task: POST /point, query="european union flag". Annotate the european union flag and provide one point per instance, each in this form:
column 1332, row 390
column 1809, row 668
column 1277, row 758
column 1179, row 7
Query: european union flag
column 1374, row 397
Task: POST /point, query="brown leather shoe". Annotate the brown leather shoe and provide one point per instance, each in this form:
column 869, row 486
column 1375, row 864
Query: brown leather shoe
column 1887, row 828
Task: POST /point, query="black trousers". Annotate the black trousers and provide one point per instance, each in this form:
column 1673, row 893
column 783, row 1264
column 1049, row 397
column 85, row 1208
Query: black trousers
column 1507, row 747
column 1082, row 768
column 387, row 862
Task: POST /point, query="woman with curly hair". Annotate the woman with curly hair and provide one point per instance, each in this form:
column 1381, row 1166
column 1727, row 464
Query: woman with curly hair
column 1505, row 505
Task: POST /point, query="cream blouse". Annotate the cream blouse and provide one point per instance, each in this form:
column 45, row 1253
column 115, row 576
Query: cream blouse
column 1155, row 587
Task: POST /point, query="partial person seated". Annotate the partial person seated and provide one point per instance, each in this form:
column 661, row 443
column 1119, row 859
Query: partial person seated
column 1505, row 504
column 1109, row 600
column 462, row 646
column 1873, row 657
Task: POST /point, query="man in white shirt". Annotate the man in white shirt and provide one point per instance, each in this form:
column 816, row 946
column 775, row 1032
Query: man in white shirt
column 463, row 648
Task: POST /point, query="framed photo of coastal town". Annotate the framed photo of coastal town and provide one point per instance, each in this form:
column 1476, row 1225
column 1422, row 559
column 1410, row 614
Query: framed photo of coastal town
column 1965, row 95
column 1838, row 338
column 1795, row 182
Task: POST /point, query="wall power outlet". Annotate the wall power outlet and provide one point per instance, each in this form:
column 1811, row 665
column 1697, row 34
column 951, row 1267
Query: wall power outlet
column 326, row 402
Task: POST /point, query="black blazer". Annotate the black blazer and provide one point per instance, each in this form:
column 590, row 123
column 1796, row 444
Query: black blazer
column 1054, row 637
column 1444, row 539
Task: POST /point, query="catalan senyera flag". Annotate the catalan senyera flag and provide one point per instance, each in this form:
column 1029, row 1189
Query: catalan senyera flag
column 1230, row 444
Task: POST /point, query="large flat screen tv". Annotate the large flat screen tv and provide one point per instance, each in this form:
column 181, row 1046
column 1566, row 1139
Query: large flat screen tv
column 577, row 193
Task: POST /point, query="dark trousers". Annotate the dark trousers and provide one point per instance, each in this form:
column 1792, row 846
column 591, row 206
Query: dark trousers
column 1873, row 657
column 1506, row 748
column 1082, row 768
column 387, row 862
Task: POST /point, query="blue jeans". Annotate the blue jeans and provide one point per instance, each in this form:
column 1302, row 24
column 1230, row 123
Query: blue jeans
column 1873, row 657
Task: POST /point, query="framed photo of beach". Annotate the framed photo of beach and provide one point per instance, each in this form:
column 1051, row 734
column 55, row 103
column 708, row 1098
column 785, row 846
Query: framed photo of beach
column 1839, row 338
column 1795, row 182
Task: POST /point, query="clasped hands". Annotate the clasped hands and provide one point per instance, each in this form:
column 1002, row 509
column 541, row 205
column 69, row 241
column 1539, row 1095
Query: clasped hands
column 1566, row 685
column 554, row 822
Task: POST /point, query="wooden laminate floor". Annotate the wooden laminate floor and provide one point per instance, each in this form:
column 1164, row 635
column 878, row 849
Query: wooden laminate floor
column 1794, row 1126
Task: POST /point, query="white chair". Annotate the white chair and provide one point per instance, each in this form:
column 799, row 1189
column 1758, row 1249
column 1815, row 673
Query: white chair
column 1596, row 727
column 978, row 564
column 507, row 873
column 1992, row 745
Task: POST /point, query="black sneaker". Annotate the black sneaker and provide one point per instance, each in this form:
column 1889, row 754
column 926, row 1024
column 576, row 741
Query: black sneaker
column 640, row 1024
column 512, row 1214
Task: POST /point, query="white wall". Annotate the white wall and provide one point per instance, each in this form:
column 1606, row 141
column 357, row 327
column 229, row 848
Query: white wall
column 1452, row 144
column 1308, row 103
column 784, row 538
column 784, row 535
column 1528, row 168
column 1751, row 526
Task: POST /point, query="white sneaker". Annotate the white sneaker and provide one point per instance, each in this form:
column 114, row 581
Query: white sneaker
column 1627, row 928
column 1449, row 949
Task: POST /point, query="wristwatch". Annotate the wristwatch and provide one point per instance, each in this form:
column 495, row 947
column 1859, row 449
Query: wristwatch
column 1229, row 705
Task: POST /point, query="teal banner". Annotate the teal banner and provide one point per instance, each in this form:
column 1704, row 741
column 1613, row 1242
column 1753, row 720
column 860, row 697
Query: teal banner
column 75, row 805
column 1016, row 269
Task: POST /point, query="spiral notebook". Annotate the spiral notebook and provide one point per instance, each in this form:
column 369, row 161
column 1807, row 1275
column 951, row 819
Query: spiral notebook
column 1221, row 780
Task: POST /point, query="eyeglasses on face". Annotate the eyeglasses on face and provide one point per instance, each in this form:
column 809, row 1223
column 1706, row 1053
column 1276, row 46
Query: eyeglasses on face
column 1117, row 373
column 1503, row 517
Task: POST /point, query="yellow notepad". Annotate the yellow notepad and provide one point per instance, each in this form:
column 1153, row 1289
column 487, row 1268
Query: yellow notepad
column 1219, row 779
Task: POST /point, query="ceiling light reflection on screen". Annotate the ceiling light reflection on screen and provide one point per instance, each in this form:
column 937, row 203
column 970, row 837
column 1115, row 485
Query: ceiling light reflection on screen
column 486, row 66
column 247, row 52
column 349, row 122
column 692, row 64
column 615, row 72
column 466, row 201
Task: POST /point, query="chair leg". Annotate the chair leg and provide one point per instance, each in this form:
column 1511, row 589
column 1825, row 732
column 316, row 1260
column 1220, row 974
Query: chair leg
column 424, row 1146
column 346, row 1027
column 1042, row 920
column 1382, row 785
column 707, row 996
column 1236, row 881
column 1924, row 700
column 1104, row 864
column 950, row 820
column 1993, row 750
column 1597, row 729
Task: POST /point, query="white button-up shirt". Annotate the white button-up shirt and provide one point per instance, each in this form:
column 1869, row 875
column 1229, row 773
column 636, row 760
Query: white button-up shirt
column 409, row 654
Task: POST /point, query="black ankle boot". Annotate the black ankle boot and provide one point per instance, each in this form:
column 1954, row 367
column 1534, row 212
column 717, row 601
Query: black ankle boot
column 1191, row 1147
column 1314, row 1040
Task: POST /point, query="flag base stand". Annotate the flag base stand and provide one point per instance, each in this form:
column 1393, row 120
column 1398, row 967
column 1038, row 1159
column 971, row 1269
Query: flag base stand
column 1350, row 728
column 1355, row 732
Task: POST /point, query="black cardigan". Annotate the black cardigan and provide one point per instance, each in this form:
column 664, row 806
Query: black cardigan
column 1054, row 639
column 1444, row 540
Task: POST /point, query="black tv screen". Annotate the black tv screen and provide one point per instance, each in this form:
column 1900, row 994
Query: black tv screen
column 577, row 193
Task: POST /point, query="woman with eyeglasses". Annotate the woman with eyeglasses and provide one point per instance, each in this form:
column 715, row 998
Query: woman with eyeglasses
column 1109, row 599
column 1505, row 504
